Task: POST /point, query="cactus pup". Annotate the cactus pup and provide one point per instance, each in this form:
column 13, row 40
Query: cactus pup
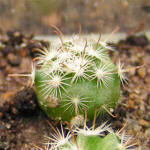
column 101, row 137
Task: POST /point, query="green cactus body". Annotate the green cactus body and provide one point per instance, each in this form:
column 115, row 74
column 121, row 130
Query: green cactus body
column 89, row 142
column 110, row 141
column 84, row 143
column 73, row 76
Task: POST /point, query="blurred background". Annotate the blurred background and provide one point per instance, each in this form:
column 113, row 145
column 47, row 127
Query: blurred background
column 36, row 16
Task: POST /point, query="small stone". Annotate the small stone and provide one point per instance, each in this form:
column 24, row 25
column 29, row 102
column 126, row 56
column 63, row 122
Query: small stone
column 6, row 97
column 147, row 118
column 1, row 115
column 8, row 126
column 136, row 127
column 142, row 72
column 133, row 96
column 131, row 104
column 23, row 52
column 14, row 111
column 143, row 122
column 2, row 63
column 147, row 80
column 147, row 132
column 13, row 60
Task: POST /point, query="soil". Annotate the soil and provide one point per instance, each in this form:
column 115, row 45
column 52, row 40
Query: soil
column 23, row 124
column 94, row 15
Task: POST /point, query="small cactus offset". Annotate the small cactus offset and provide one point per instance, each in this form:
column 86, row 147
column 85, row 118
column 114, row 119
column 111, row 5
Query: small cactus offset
column 88, row 138
column 75, row 75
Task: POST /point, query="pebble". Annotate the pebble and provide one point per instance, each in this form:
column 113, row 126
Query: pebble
column 141, row 72
column 136, row 127
column 2, row 63
column 133, row 96
column 131, row 104
column 14, row 110
column 8, row 126
column 13, row 60
column 6, row 97
column 144, row 123
column 147, row 118
column 147, row 132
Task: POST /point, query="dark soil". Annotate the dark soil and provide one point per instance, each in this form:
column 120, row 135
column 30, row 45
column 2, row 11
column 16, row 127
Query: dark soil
column 22, row 123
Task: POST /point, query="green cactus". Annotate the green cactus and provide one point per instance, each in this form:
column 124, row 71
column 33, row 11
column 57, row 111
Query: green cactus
column 100, row 138
column 76, row 75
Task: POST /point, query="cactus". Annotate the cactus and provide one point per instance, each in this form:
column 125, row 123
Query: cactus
column 111, row 141
column 75, row 75
column 99, row 138
column 72, row 78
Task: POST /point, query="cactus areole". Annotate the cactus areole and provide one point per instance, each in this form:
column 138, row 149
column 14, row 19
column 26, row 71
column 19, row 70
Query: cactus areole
column 75, row 76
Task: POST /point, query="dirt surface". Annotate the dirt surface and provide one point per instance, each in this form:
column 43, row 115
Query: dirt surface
column 94, row 15
column 22, row 123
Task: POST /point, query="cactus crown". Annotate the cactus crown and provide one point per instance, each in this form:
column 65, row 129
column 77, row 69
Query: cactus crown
column 75, row 59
